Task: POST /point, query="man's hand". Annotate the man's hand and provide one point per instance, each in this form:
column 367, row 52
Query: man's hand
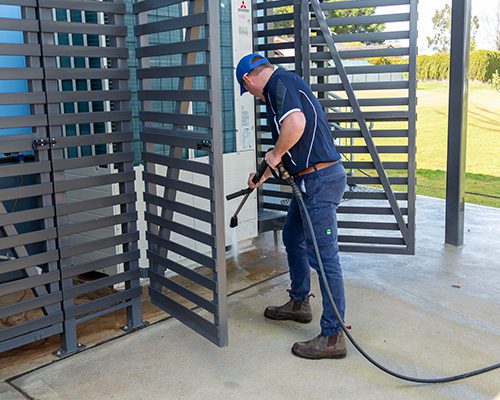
column 252, row 185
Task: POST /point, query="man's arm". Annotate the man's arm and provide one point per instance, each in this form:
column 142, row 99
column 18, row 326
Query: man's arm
column 291, row 131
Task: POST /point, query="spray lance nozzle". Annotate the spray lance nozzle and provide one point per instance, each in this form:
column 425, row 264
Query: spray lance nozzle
column 246, row 192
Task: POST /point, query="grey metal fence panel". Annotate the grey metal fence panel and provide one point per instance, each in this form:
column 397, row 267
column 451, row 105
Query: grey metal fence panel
column 67, row 197
column 371, row 108
column 179, row 80
column 85, row 56
column 30, row 296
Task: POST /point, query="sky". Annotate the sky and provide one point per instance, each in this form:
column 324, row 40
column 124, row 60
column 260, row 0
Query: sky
column 484, row 9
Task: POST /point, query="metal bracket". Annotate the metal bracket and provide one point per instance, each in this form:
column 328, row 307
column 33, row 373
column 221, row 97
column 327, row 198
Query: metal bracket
column 204, row 144
column 62, row 353
column 43, row 143
column 127, row 329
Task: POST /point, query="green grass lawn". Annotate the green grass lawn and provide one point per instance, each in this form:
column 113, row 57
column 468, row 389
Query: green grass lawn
column 483, row 142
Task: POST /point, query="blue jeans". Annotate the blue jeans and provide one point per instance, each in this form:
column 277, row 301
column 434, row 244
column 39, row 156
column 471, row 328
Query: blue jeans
column 323, row 192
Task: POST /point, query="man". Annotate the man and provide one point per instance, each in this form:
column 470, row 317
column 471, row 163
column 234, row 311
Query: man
column 303, row 143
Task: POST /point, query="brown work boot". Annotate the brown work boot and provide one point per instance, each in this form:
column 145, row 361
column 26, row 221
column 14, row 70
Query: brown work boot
column 299, row 311
column 321, row 347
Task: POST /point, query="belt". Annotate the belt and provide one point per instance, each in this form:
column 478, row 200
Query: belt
column 315, row 168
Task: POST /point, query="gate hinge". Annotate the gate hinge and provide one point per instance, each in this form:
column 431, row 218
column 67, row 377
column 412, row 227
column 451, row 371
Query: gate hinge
column 204, row 144
column 43, row 143
column 143, row 272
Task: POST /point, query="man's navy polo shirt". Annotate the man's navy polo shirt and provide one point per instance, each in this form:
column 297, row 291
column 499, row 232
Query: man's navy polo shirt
column 286, row 93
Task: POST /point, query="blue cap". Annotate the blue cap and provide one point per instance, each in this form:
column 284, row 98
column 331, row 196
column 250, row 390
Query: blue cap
column 245, row 66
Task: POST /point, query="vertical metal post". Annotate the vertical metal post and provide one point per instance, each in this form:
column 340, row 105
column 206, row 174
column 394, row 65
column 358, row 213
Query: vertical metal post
column 457, row 121
column 297, row 35
column 412, row 124
column 217, row 180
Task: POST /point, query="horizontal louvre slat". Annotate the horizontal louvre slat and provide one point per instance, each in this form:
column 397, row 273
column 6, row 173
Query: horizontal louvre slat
column 184, row 315
column 380, row 149
column 384, row 226
column 27, row 262
column 382, row 133
column 98, row 223
column 364, row 20
column 148, row 5
column 175, row 72
column 336, row 87
column 172, row 24
column 31, row 326
column 29, row 121
column 22, row 98
column 264, row 5
column 32, row 304
column 27, row 238
column 75, row 270
column 88, row 118
column 365, row 180
column 28, row 283
column 84, row 51
column 87, row 73
column 21, row 73
column 182, row 291
column 180, row 138
column 369, row 116
column 91, row 181
column 371, row 240
column 388, row 102
column 370, row 165
column 185, row 187
column 373, row 249
column 23, row 168
column 85, row 5
column 101, row 159
column 364, row 53
column 319, row 40
column 190, row 46
column 347, row 5
column 25, row 191
column 99, row 244
column 26, row 215
column 363, row 69
column 181, row 229
column 88, row 140
column 181, row 208
column 94, row 204
column 8, row 49
column 175, row 95
column 177, row 119
column 177, row 163
column 369, row 210
column 181, row 250
column 90, row 95
column 103, row 302
column 84, row 28
column 373, row 196
column 183, row 271
column 92, row 286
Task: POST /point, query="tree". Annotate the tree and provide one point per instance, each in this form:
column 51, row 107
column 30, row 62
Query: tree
column 493, row 28
column 337, row 14
column 441, row 21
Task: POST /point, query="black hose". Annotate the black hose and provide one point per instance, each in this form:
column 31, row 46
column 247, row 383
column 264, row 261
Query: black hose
column 298, row 195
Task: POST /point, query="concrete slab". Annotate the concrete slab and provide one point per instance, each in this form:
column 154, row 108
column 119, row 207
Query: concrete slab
column 433, row 314
column 7, row 392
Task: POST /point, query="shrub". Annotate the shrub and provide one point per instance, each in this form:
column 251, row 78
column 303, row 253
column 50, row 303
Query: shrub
column 495, row 81
column 483, row 65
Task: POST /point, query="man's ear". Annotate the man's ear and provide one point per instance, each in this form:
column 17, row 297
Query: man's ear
column 246, row 80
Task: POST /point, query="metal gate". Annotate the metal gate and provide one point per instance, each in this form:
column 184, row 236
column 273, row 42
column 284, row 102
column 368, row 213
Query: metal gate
column 179, row 89
column 370, row 103
column 67, row 198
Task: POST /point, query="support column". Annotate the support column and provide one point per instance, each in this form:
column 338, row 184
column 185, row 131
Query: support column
column 457, row 121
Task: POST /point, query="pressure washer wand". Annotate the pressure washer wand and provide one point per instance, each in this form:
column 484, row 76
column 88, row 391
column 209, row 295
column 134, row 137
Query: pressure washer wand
column 246, row 192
